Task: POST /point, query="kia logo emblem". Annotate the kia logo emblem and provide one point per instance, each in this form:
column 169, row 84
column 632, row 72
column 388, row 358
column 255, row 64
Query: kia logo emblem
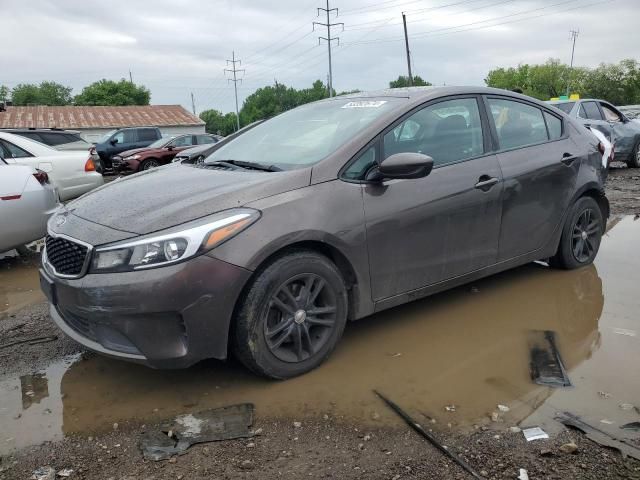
column 60, row 220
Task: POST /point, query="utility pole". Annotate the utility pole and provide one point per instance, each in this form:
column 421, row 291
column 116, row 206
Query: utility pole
column 130, row 77
column 574, row 35
column 235, row 80
column 193, row 103
column 328, row 38
column 406, row 46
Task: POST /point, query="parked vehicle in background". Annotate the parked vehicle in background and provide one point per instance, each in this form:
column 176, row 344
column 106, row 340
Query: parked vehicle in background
column 72, row 173
column 632, row 112
column 621, row 131
column 122, row 139
column 53, row 137
column 27, row 200
column 159, row 152
column 325, row 213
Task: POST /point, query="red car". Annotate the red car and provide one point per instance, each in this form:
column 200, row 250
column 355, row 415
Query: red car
column 159, row 152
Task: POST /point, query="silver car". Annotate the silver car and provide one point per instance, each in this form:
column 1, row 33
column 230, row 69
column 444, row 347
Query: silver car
column 27, row 200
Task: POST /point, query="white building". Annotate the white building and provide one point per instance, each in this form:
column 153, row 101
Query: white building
column 94, row 122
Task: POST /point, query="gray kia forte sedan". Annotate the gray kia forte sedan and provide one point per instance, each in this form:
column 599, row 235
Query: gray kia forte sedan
column 326, row 213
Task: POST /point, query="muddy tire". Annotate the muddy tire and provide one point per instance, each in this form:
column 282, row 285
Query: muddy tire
column 148, row 164
column 291, row 317
column 581, row 236
column 634, row 158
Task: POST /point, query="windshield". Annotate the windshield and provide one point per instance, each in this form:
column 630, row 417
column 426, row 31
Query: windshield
column 107, row 136
column 161, row 142
column 305, row 135
column 565, row 107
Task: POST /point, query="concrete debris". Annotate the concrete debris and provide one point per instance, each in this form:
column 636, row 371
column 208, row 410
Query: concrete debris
column 604, row 395
column 65, row 472
column 207, row 426
column 569, row 448
column 450, row 408
column 297, row 424
column 503, row 408
column 626, row 406
column 594, row 434
column 534, row 433
column 44, row 473
column 515, row 429
column 523, row 475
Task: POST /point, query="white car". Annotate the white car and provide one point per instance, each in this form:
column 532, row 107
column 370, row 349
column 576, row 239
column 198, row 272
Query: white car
column 27, row 200
column 71, row 172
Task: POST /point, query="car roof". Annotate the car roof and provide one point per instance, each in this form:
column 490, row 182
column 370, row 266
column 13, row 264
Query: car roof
column 419, row 93
column 38, row 130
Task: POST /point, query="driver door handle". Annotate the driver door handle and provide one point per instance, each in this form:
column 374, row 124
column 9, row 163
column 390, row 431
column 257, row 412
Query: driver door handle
column 568, row 158
column 485, row 182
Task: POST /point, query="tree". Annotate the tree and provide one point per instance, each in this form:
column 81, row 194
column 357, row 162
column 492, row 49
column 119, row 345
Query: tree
column 110, row 92
column 47, row 93
column 4, row 93
column 219, row 123
column 403, row 82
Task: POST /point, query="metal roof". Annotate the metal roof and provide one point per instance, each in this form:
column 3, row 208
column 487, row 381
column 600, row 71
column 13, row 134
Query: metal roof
column 75, row 117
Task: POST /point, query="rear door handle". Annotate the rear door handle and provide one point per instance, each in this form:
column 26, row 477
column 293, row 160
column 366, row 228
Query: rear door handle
column 485, row 182
column 568, row 158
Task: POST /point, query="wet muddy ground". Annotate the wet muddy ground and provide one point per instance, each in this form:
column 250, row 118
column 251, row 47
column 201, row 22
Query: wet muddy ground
column 449, row 360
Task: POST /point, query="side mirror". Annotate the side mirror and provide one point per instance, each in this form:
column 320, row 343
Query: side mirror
column 403, row 165
column 170, row 147
column 113, row 141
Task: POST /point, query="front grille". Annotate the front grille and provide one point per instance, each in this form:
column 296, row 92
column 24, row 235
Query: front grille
column 65, row 256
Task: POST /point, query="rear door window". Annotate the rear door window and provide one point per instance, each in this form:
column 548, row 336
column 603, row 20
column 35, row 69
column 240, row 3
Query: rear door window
column 565, row 107
column 206, row 139
column 610, row 114
column 517, row 124
column 147, row 134
column 14, row 151
column 554, row 126
column 185, row 141
column 125, row 136
column 592, row 111
column 449, row 131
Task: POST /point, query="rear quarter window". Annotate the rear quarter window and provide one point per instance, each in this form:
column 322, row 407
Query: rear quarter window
column 147, row 134
column 554, row 126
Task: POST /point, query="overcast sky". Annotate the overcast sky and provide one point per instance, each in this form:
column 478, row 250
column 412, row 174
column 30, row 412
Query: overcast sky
column 176, row 47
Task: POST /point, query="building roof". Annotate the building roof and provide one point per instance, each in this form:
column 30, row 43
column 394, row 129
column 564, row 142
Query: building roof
column 97, row 117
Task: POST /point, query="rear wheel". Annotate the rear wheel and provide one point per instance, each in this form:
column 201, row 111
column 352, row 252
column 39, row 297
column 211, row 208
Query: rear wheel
column 292, row 316
column 581, row 235
column 634, row 158
column 149, row 163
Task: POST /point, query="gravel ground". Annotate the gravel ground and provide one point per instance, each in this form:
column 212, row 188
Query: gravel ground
column 325, row 447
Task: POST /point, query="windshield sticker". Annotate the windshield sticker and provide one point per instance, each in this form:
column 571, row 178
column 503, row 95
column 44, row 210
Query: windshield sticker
column 365, row 104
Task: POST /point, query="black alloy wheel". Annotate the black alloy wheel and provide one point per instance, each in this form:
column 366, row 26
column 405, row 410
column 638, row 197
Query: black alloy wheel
column 585, row 236
column 149, row 163
column 300, row 318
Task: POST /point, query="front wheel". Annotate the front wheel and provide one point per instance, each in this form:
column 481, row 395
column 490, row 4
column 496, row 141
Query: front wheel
column 149, row 163
column 581, row 235
column 634, row 159
column 292, row 316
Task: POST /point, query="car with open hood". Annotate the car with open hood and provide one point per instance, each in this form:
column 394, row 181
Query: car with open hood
column 323, row 214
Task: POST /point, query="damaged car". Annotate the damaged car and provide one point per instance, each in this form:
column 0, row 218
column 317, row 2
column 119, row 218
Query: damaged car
column 324, row 214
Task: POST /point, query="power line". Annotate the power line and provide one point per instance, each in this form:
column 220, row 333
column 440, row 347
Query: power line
column 574, row 37
column 328, row 38
column 235, row 80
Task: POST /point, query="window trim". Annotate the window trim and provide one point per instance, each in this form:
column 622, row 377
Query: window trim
column 486, row 136
column 543, row 109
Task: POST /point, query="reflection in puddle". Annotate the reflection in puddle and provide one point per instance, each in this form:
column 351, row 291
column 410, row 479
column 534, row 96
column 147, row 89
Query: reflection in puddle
column 468, row 347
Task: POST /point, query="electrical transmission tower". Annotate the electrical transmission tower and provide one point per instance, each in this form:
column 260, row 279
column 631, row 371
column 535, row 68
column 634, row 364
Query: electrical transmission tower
column 328, row 38
column 235, row 80
column 574, row 35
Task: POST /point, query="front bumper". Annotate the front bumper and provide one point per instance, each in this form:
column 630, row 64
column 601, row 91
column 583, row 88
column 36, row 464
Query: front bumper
column 122, row 166
column 167, row 317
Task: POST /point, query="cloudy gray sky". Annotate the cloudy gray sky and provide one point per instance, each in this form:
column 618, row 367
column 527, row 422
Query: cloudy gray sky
column 176, row 47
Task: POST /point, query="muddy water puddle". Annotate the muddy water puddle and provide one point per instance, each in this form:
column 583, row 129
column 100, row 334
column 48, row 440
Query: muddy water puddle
column 468, row 349
column 19, row 284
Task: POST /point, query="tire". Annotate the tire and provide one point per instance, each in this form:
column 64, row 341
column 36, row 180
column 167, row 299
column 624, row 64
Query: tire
column 274, row 339
column 581, row 235
column 148, row 164
column 634, row 158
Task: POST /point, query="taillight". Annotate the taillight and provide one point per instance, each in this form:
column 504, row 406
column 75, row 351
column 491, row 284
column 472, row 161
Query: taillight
column 601, row 148
column 41, row 176
column 89, row 166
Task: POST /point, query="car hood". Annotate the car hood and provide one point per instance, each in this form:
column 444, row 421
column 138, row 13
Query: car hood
column 133, row 151
column 167, row 196
column 196, row 150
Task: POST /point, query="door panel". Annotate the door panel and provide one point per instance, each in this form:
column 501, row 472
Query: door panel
column 537, row 189
column 423, row 231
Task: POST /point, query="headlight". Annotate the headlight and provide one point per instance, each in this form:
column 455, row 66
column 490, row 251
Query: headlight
column 133, row 157
column 173, row 245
